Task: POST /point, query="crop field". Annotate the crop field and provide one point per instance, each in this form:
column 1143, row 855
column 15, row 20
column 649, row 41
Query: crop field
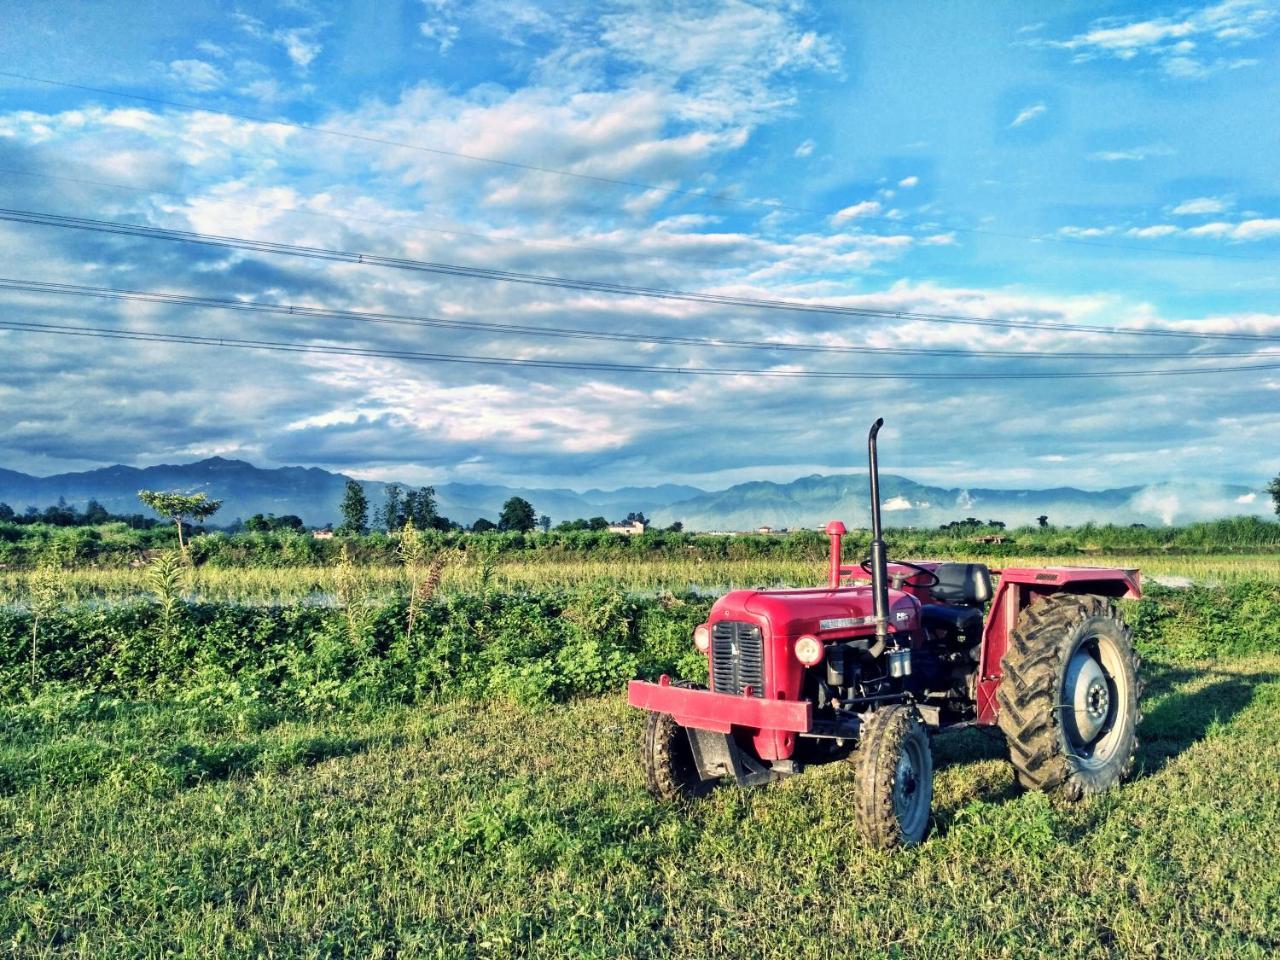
column 304, row 762
column 262, row 584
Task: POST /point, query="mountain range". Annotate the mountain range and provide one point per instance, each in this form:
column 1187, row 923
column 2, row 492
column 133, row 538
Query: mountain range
column 316, row 495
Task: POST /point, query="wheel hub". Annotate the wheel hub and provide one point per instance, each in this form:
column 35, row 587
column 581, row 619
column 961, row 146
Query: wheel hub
column 1088, row 697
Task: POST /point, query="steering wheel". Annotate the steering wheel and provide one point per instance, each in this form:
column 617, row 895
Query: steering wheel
column 910, row 581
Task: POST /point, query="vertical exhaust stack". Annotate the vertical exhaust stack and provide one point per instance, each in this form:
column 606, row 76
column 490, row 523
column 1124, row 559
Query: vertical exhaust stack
column 879, row 566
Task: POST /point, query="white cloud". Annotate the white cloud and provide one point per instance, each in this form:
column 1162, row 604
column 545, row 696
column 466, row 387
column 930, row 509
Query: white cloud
column 865, row 208
column 300, row 44
column 896, row 503
column 1201, row 205
column 1027, row 114
column 805, row 148
column 1186, row 45
column 940, row 240
column 1157, row 230
column 1246, row 498
column 1132, row 154
column 197, row 74
column 440, row 25
column 1259, row 228
column 1070, row 231
column 908, row 182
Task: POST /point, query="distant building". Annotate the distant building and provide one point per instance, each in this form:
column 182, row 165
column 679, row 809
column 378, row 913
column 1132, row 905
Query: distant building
column 631, row 529
column 322, row 534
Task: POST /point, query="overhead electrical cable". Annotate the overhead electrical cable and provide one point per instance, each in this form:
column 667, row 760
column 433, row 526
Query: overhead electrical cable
column 37, row 218
column 614, row 181
column 346, row 217
column 574, row 333
column 601, row 366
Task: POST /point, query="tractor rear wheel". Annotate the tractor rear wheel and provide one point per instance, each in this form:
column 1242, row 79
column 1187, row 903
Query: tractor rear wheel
column 894, row 778
column 670, row 772
column 1069, row 696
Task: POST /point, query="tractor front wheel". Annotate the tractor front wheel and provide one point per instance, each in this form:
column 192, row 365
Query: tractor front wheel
column 1069, row 696
column 894, row 778
column 670, row 772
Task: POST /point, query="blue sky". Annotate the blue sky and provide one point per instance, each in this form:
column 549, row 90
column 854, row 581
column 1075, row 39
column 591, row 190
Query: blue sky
column 1102, row 164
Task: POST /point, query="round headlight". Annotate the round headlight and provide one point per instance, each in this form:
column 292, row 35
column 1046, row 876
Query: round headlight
column 702, row 638
column 809, row 650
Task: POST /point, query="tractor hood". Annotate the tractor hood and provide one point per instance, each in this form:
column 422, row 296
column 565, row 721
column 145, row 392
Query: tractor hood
column 825, row 613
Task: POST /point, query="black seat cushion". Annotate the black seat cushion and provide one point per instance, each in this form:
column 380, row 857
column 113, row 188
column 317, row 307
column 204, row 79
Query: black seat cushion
column 966, row 583
column 962, row 621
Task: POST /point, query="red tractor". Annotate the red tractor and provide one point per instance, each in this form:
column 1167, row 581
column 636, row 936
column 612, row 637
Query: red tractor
column 871, row 670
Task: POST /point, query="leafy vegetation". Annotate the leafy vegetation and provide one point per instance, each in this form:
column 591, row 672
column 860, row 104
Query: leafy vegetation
column 118, row 544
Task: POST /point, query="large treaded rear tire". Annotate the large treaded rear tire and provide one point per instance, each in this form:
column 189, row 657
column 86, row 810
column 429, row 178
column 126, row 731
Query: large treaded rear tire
column 669, row 770
column 1045, row 745
column 886, row 813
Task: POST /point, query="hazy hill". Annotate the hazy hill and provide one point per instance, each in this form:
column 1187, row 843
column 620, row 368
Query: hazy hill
column 315, row 495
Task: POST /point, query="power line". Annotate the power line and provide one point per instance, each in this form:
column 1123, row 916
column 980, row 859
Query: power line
column 594, row 366
column 597, row 286
column 364, row 316
column 351, row 218
column 613, row 181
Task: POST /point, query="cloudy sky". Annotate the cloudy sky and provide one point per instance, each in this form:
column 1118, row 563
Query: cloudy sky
column 1098, row 165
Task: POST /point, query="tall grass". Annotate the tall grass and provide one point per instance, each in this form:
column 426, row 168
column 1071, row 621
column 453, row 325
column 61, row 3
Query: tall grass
column 482, row 570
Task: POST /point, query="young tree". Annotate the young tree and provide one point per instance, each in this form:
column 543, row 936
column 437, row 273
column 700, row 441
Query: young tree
column 180, row 508
column 257, row 524
column 392, row 516
column 1043, row 520
column 676, row 527
column 483, row 526
column 420, row 507
column 290, row 521
column 597, row 523
column 545, row 523
column 355, row 510
column 1273, row 488
column 517, row 514
column 94, row 512
column 6, row 512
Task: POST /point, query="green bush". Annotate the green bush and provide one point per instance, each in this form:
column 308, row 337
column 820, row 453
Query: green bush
column 1202, row 622
column 521, row 647
column 528, row 648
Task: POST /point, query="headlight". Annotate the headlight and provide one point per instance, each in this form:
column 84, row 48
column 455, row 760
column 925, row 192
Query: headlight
column 702, row 638
column 809, row 650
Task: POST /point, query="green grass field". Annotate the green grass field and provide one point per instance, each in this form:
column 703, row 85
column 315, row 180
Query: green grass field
column 256, row 776
column 457, row 830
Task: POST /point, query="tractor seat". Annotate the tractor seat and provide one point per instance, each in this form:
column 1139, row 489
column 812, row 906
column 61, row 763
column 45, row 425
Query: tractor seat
column 962, row 589
column 957, row 621
column 968, row 584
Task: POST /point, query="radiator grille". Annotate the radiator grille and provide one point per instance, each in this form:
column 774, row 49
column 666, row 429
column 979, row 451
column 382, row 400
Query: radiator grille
column 737, row 658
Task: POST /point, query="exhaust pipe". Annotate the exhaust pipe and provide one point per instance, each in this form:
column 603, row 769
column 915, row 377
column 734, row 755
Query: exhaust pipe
column 879, row 566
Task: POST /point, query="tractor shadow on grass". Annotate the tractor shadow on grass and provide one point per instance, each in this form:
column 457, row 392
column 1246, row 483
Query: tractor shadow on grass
column 1185, row 704
column 1179, row 718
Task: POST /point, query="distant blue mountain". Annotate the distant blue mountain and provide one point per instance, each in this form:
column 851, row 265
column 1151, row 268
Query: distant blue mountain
column 316, row 495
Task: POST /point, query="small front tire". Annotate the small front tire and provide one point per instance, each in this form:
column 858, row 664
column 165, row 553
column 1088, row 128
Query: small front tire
column 669, row 769
column 894, row 778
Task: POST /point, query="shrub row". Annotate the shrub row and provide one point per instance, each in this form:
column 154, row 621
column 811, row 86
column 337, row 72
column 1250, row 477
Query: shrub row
column 524, row 647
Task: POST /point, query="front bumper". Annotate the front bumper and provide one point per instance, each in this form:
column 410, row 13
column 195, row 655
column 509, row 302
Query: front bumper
column 704, row 710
